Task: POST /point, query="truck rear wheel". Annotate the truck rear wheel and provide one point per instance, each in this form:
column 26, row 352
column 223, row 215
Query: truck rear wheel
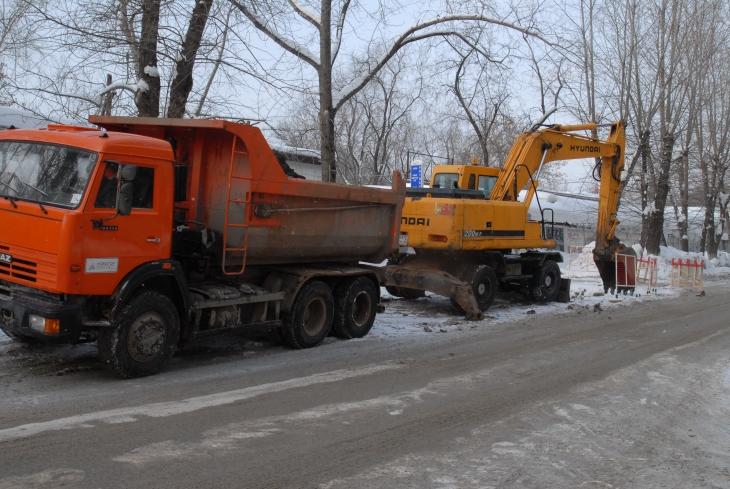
column 356, row 303
column 145, row 337
column 310, row 318
column 546, row 282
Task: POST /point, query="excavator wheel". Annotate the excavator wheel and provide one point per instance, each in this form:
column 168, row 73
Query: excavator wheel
column 484, row 284
column 546, row 282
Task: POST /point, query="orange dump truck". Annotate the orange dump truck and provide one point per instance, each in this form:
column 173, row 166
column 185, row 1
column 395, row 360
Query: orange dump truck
column 155, row 232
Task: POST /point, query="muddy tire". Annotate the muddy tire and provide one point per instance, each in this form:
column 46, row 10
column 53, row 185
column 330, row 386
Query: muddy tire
column 405, row 293
column 356, row 303
column 310, row 317
column 546, row 282
column 484, row 284
column 144, row 339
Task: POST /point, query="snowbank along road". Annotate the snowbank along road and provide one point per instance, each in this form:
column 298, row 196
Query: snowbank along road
column 591, row 395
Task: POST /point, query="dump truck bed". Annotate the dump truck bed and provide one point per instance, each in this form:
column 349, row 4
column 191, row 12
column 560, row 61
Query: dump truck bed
column 237, row 188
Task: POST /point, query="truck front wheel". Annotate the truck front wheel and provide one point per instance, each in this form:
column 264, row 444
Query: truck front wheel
column 310, row 318
column 355, row 308
column 546, row 282
column 145, row 336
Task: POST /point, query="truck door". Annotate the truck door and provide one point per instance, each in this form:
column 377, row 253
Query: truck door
column 113, row 246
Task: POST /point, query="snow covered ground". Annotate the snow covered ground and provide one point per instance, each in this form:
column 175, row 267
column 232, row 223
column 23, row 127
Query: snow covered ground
column 434, row 314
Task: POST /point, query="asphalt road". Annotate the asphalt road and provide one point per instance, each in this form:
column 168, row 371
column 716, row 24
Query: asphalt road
column 629, row 397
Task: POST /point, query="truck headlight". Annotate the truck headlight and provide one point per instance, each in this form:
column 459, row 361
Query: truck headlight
column 44, row 325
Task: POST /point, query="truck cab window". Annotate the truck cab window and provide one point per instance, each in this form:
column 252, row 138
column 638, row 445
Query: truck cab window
column 107, row 196
column 143, row 185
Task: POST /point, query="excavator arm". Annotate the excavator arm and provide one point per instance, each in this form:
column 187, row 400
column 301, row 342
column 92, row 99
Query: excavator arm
column 534, row 149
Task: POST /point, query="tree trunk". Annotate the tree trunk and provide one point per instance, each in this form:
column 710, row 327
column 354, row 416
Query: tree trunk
column 148, row 95
column 644, row 148
column 655, row 228
column 326, row 109
column 709, row 230
column 183, row 82
column 684, row 200
column 106, row 107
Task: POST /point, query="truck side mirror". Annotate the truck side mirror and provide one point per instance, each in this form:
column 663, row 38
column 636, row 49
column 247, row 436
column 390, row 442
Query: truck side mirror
column 124, row 199
column 127, row 172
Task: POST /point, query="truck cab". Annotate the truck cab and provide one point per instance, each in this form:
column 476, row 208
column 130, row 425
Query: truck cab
column 65, row 235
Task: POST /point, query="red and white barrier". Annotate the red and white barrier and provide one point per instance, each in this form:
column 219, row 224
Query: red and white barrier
column 650, row 271
column 686, row 268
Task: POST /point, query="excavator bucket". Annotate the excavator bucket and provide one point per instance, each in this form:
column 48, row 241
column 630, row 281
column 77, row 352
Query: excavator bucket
column 607, row 270
column 607, row 266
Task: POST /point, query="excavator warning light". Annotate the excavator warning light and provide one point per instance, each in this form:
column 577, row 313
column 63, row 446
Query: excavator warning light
column 474, row 161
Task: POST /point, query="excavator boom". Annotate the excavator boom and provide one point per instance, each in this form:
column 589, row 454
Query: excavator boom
column 534, row 149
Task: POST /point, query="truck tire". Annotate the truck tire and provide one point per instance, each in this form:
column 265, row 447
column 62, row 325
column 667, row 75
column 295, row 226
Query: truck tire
column 546, row 282
column 405, row 293
column 145, row 337
column 356, row 302
column 310, row 318
column 484, row 284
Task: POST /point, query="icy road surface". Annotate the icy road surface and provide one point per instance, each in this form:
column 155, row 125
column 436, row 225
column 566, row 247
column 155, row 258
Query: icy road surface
column 633, row 393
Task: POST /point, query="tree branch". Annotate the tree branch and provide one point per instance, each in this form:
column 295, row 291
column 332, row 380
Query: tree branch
column 288, row 45
column 307, row 14
column 408, row 37
column 340, row 26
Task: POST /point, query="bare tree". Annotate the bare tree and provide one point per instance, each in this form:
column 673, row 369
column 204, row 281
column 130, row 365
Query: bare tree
column 373, row 127
column 149, row 47
column 266, row 18
column 481, row 103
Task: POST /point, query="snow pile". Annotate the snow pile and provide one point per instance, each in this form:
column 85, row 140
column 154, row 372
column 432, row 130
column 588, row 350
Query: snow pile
column 719, row 266
column 581, row 265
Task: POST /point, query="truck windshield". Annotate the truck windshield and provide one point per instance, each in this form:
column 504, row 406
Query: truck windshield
column 47, row 173
column 446, row 180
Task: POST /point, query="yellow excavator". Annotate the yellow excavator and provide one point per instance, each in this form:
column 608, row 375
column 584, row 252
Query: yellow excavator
column 472, row 221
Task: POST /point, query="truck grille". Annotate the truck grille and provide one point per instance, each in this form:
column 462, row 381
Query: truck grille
column 28, row 266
